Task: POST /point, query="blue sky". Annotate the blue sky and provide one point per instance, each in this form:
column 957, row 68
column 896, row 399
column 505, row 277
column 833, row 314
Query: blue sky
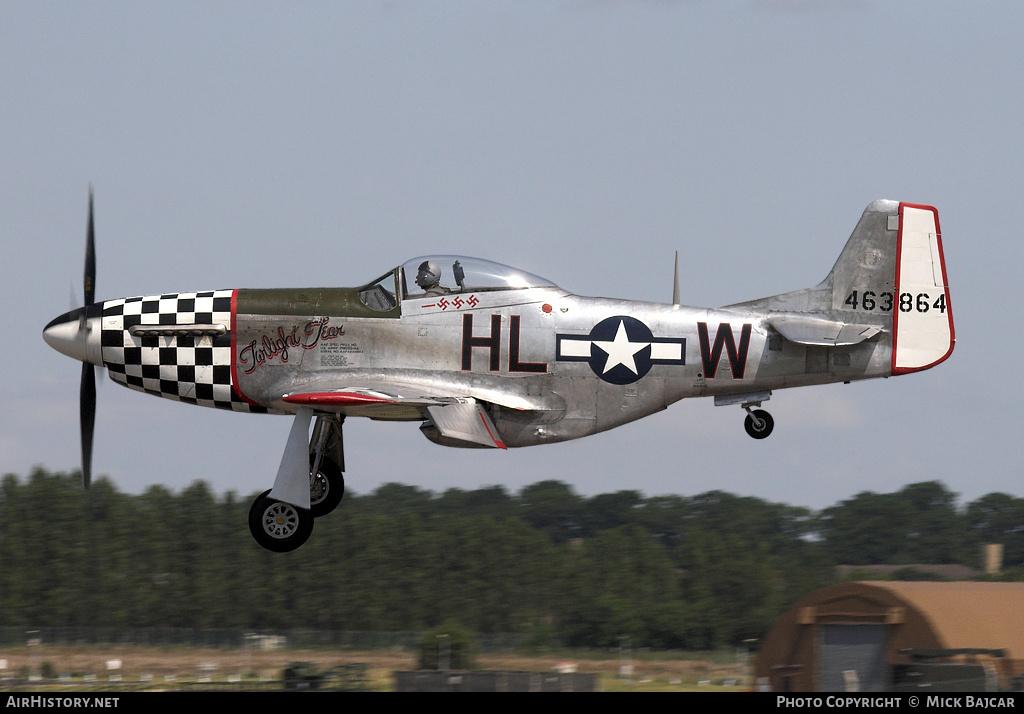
column 261, row 144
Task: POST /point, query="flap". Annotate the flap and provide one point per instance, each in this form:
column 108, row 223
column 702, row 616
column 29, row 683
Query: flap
column 465, row 421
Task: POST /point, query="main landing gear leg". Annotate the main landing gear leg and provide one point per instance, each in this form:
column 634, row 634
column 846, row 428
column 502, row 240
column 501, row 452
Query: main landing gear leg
column 280, row 525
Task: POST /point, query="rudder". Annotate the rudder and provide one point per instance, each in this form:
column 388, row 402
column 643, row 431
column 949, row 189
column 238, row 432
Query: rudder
column 922, row 321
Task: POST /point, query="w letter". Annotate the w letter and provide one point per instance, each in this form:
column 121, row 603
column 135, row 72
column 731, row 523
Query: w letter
column 710, row 355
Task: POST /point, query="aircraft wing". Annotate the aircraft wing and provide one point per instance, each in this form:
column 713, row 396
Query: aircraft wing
column 462, row 421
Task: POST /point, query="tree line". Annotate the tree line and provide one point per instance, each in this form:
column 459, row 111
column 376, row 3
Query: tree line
column 694, row 572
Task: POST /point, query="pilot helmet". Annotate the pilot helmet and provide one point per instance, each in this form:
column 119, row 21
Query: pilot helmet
column 429, row 274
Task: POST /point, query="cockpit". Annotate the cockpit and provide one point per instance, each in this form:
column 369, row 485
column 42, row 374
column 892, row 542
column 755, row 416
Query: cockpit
column 438, row 274
column 434, row 275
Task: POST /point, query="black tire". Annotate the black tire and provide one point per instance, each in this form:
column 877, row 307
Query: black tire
column 327, row 488
column 277, row 526
column 767, row 424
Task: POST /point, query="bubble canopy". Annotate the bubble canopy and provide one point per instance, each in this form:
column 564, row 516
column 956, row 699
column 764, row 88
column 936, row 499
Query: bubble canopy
column 434, row 274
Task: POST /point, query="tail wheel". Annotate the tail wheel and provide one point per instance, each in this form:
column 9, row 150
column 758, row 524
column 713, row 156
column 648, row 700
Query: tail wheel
column 277, row 526
column 759, row 423
column 326, row 486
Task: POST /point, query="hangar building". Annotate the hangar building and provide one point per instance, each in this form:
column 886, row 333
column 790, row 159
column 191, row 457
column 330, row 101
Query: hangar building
column 885, row 636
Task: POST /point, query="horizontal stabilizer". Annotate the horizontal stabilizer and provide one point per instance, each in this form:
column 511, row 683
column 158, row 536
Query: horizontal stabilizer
column 465, row 422
column 806, row 330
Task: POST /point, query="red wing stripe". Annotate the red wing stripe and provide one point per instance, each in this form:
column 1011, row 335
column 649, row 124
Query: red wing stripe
column 338, row 399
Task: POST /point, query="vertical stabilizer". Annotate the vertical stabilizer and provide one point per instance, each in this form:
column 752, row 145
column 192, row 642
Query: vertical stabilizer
column 867, row 265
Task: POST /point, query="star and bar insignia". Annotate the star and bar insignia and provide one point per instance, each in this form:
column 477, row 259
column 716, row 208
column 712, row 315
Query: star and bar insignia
column 620, row 349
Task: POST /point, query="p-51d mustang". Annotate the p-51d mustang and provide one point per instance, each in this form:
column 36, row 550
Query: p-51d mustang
column 483, row 355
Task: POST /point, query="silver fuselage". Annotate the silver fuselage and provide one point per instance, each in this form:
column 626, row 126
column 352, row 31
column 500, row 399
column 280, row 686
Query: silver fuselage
column 540, row 358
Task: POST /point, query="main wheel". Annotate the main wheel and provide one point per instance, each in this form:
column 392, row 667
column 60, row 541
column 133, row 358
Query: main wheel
column 279, row 526
column 326, row 487
column 762, row 426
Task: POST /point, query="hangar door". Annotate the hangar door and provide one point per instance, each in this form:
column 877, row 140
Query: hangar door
column 852, row 658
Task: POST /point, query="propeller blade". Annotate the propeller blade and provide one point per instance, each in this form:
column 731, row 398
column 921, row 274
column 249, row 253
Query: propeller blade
column 90, row 259
column 87, row 412
column 87, row 391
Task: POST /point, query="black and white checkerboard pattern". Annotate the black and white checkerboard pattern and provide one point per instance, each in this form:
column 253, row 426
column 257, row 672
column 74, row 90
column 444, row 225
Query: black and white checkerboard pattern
column 188, row 368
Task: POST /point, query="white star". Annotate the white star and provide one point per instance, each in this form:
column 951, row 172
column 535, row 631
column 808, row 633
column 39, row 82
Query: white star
column 621, row 350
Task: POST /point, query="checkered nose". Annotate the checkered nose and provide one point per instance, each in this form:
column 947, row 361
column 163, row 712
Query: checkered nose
column 176, row 346
column 77, row 334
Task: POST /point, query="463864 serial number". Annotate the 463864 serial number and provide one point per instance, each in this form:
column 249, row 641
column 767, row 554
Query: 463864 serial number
column 883, row 302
